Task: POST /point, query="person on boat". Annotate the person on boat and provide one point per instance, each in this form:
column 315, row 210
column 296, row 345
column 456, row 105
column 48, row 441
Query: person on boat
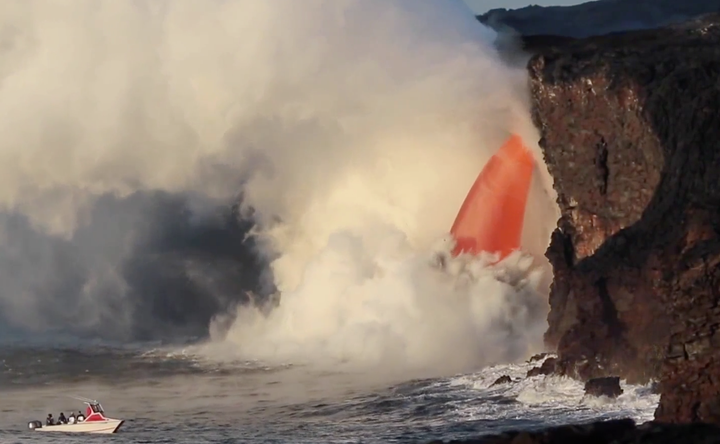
column 49, row 420
column 80, row 416
column 71, row 418
column 62, row 419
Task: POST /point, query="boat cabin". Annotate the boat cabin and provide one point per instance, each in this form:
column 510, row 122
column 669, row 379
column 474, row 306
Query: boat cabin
column 94, row 412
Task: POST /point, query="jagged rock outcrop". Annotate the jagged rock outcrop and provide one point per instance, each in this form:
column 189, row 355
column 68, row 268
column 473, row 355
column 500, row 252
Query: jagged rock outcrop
column 504, row 379
column 548, row 367
column 538, row 357
column 630, row 127
column 609, row 386
column 596, row 17
column 619, row 431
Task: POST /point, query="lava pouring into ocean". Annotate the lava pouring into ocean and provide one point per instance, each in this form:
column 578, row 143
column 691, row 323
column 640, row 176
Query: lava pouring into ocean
column 492, row 215
column 352, row 130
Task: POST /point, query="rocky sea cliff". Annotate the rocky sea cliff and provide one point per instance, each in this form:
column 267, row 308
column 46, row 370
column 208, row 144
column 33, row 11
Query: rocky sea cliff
column 630, row 129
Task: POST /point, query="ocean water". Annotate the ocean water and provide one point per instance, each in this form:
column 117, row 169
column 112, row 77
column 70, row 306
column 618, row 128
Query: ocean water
column 170, row 395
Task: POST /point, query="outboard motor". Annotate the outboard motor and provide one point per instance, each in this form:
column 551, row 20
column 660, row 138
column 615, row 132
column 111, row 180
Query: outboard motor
column 32, row 425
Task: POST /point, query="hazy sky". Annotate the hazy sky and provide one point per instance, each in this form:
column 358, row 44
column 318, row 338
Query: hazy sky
column 481, row 6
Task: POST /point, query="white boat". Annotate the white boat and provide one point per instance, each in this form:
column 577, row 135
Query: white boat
column 94, row 421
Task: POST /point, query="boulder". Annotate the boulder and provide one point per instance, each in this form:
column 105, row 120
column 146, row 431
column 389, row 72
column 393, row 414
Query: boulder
column 537, row 357
column 504, row 379
column 609, row 387
column 547, row 368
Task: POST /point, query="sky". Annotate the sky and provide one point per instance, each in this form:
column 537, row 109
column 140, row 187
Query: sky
column 481, row 6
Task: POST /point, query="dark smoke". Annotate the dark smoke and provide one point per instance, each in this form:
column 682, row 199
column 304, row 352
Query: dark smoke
column 148, row 266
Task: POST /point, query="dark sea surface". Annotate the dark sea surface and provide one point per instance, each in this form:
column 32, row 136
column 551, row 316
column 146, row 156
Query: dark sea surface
column 168, row 394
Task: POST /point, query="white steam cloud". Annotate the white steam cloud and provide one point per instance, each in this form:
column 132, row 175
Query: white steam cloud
column 354, row 128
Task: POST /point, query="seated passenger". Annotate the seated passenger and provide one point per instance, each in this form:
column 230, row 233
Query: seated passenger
column 49, row 420
column 71, row 418
column 80, row 416
column 62, row 419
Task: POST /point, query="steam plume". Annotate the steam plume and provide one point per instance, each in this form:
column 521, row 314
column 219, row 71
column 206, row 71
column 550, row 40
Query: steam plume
column 351, row 128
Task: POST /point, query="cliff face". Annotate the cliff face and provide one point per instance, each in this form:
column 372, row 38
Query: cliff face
column 630, row 129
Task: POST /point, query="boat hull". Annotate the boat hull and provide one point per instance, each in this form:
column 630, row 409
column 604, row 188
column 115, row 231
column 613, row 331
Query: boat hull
column 97, row 427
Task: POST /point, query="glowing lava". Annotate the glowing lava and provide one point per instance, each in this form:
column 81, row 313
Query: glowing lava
column 492, row 215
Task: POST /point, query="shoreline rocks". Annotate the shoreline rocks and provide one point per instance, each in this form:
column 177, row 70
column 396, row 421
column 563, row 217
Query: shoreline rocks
column 609, row 387
column 548, row 367
column 630, row 129
column 504, row 379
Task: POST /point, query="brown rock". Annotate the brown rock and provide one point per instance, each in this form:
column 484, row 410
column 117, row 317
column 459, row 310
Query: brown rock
column 630, row 127
column 547, row 368
column 609, row 387
column 537, row 357
column 504, row 379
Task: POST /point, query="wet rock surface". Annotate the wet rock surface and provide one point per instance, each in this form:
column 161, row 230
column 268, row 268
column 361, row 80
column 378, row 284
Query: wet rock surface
column 609, row 387
column 630, row 128
column 623, row 431
column 538, row 357
column 596, row 17
column 547, row 368
column 504, row 379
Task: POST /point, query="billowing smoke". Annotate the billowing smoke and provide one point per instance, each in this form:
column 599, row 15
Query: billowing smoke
column 141, row 267
column 350, row 130
column 405, row 104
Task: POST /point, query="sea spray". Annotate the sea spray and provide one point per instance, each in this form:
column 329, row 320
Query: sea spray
column 432, row 100
column 352, row 130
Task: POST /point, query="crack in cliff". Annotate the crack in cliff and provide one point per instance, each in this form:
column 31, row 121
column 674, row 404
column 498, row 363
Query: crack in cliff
column 610, row 314
column 601, row 163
